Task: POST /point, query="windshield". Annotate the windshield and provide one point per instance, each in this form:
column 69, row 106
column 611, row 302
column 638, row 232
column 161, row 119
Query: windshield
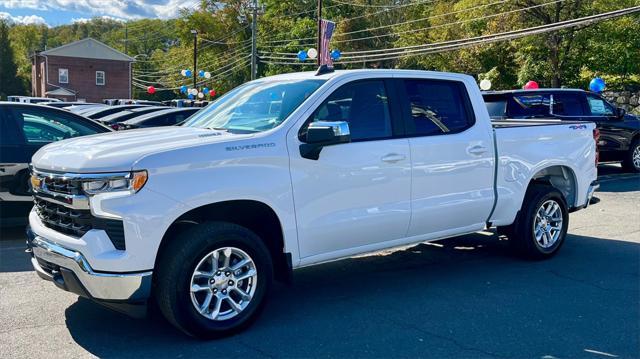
column 255, row 106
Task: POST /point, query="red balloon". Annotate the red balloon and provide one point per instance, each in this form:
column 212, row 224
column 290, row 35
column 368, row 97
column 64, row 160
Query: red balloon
column 151, row 90
column 212, row 92
column 531, row 85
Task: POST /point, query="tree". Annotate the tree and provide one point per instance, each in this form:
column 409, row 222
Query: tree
column 10, row 84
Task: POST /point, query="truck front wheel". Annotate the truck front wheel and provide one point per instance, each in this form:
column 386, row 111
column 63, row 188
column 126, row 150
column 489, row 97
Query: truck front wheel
column 213, row 279
column 541, row 225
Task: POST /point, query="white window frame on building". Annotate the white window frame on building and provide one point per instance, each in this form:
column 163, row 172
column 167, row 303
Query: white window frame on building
column 103, row 78
column 63, row 74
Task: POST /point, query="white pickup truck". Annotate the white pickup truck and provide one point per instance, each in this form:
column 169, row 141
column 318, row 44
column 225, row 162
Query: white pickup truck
column 294, row 170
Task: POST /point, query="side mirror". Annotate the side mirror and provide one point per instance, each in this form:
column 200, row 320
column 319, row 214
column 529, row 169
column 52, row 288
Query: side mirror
column 321, row 134
column 620, row 112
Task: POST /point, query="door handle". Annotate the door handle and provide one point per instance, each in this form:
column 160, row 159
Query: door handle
column 393, row 157
column 477, row 150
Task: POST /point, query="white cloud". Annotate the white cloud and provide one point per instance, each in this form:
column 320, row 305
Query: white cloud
column 24, row 20
column 124, row 9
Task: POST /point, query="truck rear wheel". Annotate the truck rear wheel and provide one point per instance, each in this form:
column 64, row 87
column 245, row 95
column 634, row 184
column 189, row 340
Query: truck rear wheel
column 212, row 281
column 541, row 225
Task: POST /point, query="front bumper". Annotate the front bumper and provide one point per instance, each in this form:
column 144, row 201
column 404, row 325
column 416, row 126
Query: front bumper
column 70, row 271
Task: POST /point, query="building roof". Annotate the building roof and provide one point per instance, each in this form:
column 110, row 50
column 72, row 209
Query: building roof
column 60, row 92
column 89, row 49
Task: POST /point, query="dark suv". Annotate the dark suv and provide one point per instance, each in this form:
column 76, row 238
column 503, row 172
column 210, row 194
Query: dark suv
column 619, row 131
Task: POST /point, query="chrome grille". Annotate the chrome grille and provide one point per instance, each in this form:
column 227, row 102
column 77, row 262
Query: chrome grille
column 62, row 185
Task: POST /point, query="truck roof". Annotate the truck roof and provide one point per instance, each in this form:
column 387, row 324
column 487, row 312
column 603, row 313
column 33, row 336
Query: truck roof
column 311, row 75
column 532, row 91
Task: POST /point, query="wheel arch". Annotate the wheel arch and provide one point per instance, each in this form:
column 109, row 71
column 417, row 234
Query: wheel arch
column 251, row 214
column 562, row 178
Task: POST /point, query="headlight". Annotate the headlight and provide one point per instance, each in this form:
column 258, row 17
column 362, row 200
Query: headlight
column 131, row 182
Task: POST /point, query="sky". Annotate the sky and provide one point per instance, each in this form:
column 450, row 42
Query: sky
column 62, row 12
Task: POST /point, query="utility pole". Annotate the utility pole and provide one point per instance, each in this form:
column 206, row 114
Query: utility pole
column 254, row 33
column 319, row 31
column 126, row 39
column 195, row 58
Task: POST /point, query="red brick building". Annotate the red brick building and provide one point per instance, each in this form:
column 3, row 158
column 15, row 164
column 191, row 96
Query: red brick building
column 82, row 70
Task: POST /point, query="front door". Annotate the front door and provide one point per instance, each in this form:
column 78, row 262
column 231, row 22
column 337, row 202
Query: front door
column 356, row 195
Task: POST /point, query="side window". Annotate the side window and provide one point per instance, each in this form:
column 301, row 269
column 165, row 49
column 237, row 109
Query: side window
column 568, row 104
column 438, row 107
column 63, row 76
column 599, row 107
column 10, row 133
column 157, row 121
column 364, row 105
column 41, row 127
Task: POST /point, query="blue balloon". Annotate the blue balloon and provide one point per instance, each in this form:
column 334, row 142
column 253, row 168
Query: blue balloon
column 187, row 73
column 183, row 88
column 335, row 54
column 201, row 73
column 302, row 55
column 205, row 90
column 190, row 97
column 597, row 85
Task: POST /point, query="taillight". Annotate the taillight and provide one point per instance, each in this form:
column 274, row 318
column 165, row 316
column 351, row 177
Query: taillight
column 596, row 138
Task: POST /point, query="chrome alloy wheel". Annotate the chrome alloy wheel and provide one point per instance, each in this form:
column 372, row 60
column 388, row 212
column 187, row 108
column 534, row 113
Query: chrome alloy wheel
column 223, row 283
column 547, row 226
column 636, row 157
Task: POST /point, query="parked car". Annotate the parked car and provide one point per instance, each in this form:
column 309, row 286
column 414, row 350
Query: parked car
column 125, row 115
column 30, row 99
column 25, row 128
column 100, row 112
column 61, row 104
column 294, row 170
column 167, row 117
column 81, row 109
column 113, row 102
column 619, row 131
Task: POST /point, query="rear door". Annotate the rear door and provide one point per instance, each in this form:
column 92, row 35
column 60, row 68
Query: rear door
column 452, row 157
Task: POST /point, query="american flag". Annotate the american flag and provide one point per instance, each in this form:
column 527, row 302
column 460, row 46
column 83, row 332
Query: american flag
column 326, row 32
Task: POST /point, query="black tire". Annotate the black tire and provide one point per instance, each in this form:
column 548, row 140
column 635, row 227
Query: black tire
column 628, row 163
column 178, row 262
column 521, row 233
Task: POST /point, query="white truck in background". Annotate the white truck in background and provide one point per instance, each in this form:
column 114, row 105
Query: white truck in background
column 290, row 171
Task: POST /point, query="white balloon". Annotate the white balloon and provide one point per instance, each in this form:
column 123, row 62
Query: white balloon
column 207, row 75
column 485, row 84
column 183, row 72
column 312, row 53
column 200, row 95
column 193, row 92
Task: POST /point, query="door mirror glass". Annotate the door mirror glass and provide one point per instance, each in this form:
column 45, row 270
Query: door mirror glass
column 620, row 112
column 324, row 133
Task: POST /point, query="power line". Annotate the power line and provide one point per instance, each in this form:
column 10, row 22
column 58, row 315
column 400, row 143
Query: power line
column 504, row 36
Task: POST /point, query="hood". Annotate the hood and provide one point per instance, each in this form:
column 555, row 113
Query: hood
column 118, row 151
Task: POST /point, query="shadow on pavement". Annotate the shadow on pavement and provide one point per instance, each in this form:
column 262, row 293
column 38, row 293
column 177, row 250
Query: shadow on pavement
column 463, row 297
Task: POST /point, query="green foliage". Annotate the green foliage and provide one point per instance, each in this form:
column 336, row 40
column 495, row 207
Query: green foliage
column 570, row 57
column 10, row 83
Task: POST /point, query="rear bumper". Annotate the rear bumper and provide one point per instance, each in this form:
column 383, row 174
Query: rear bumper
column 592, row 189
column 70, row 271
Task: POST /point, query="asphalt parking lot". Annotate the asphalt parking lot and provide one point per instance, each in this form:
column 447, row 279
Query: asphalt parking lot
column 463, row 297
